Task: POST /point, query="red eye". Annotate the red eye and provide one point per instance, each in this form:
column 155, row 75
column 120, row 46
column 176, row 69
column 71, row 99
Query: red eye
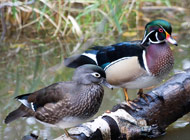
column 160, row 30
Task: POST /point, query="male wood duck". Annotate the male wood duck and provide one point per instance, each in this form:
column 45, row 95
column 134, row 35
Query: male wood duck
column 65, row 104
column 135, row 64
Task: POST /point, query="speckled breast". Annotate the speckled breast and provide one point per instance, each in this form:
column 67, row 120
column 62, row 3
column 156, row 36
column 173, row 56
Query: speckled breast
column 160, row 59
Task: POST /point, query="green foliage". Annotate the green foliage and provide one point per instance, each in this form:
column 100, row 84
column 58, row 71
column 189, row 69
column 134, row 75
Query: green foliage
column 65, row 18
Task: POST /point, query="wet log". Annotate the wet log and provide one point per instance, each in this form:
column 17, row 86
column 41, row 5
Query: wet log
column 167, row 103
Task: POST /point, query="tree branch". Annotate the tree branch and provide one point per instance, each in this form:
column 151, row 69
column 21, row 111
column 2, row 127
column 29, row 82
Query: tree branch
column 169, row 102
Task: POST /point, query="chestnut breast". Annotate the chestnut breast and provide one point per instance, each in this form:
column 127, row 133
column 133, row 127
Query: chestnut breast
column 160, row 59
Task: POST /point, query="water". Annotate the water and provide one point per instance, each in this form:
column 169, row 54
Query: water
column 28, row 67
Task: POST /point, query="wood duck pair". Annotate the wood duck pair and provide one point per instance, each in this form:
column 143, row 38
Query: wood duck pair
column 136, row 64
column 65, row 104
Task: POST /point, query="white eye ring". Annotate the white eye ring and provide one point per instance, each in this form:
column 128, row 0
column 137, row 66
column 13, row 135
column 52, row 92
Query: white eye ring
column 95, row 74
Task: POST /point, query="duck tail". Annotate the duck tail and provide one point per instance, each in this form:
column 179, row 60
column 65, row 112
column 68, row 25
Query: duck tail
column 21, row 111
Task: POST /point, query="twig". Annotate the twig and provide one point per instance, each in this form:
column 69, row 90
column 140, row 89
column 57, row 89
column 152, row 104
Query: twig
column 130, row 8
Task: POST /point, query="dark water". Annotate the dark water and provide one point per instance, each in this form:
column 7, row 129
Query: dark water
column 24, row 71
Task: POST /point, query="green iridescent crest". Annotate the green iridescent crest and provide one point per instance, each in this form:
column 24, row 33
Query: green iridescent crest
column 157, row 31
column 156, row 24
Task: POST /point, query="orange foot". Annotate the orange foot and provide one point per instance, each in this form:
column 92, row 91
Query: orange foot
column 144, row 96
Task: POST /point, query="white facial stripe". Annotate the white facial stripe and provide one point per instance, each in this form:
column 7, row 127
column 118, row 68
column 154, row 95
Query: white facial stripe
column 159, row 41
column 146, row 36
column 145, row 62
column 155, row 42
column 144, row 33
column 156, row 35
column 162, row 28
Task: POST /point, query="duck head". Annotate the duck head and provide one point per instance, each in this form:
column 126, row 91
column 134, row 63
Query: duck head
column 90, row 74
column 158, row 31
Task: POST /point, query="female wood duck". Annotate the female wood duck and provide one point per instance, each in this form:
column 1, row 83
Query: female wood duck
column 135, row 64
column 65, row 104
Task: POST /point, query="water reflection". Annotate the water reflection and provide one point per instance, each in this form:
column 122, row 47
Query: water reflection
column 186, row 63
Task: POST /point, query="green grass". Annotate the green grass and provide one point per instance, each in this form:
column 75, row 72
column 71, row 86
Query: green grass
column 60, row 19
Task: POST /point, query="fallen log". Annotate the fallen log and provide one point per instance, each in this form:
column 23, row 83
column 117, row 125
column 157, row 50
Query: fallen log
column 169, row 102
